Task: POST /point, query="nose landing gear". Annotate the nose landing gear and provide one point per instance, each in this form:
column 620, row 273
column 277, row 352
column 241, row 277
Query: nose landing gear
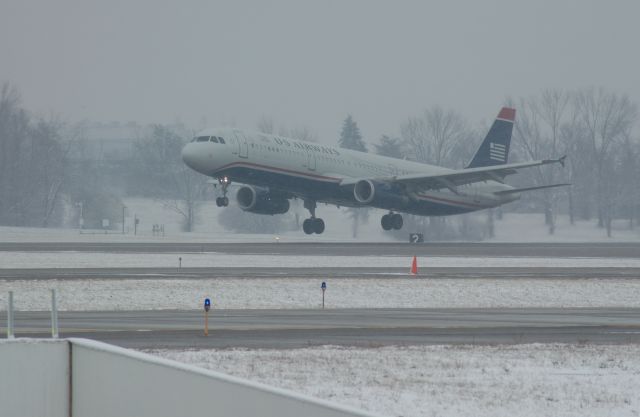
column 312, row 224
column 391, row 221
column 224, row 200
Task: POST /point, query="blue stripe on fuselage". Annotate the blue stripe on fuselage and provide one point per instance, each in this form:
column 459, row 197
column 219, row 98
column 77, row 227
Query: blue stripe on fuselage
column 325, row 191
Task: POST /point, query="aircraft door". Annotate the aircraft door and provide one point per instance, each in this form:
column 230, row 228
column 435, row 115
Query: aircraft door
column 311, row 161
column 243, row 146
column 393, row 170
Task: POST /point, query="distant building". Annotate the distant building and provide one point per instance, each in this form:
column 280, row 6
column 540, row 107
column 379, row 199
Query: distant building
column 106, row 141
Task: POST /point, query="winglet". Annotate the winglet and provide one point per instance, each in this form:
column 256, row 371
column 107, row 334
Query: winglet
column 561, row 160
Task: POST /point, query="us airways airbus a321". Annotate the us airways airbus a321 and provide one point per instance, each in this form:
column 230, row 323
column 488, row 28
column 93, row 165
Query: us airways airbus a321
column 274, row 169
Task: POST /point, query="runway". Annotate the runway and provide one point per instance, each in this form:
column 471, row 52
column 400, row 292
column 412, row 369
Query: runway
column 352, row 327
column 290, row 328
column 599, row 250
column 243, row 272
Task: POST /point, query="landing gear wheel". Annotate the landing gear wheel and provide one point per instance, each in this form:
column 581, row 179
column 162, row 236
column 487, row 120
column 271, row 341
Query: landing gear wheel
column 222, row 201
column 313, row 225
column 386, row 222
column 396, row 221
column 391, row 221
column 307, row 226
column 318, row 226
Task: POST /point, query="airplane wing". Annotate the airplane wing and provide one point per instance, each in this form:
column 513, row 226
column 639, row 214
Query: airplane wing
column 462, row 177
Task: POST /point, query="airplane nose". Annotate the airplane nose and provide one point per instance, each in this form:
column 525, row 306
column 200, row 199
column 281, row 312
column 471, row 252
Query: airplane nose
column 190, row 157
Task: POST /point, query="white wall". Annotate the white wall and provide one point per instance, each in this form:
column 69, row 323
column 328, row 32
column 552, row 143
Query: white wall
column 34, row 378
column 111, row 381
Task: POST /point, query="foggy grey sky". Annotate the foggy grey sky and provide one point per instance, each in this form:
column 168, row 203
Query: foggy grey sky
column 306, row 63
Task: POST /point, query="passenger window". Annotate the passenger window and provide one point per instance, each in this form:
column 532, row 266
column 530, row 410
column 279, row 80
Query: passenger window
column 214, row 139
column 203, row 139
column 221, row 139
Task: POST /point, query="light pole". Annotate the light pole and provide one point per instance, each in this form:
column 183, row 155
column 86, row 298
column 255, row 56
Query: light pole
column 124, row 211
column 80, row 205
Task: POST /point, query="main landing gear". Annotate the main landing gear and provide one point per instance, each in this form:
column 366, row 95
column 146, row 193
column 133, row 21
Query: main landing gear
column 224, row 200
column 391, row 221
column 312, row 224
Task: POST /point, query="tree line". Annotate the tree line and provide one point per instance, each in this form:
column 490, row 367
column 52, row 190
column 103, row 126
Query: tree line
column 32, row 164
column 42, row 180
column 596, row 128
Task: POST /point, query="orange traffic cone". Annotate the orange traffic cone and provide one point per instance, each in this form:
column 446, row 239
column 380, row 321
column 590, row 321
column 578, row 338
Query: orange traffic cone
column 414, row 266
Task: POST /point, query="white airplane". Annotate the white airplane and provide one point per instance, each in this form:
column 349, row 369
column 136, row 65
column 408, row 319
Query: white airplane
column 276, row 169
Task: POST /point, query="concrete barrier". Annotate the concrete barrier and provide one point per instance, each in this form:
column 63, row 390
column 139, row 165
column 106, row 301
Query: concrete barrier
column 79, row 377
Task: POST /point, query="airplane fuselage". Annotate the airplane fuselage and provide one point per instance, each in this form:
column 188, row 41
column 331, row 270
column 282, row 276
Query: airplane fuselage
column 291, row 168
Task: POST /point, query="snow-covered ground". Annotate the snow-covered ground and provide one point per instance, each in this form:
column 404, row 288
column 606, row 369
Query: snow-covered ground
column 514, row 227
column 403, row 292
column 522, row 380
column 213, row 259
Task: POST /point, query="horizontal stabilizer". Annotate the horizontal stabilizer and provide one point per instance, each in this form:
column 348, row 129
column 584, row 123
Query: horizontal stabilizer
column 520, row 190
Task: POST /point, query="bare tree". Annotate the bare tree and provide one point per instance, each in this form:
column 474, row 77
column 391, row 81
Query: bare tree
column 577, row 169
column 51, row 170
column 165, row 176
column 32, row 163
column 538, row 136
column 268, row 126
column 607, row 118
column 14, row 125
column 432, row 137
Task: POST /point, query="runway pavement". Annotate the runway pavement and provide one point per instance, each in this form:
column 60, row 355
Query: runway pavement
column 316, row 273
column 362, row 327
column 604, row 249
column 359, row 327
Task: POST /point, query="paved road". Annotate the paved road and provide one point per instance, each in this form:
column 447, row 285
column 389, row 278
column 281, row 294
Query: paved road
column 358, row 327
column 316, row 273
column 605, row 249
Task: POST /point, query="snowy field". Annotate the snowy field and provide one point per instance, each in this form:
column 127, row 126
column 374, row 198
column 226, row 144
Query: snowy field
column 403, row 292
column 522, row 380
column 28, row 260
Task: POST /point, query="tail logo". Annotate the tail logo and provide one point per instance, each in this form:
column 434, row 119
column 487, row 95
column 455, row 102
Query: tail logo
column 497, row 152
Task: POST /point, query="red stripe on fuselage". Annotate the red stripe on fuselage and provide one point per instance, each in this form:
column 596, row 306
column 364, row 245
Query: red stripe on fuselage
column 270, row 168
column 332, row 179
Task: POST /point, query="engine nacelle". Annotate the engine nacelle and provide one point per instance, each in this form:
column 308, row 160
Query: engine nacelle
column 379, row 194
column 364, row 191
column 261, row 201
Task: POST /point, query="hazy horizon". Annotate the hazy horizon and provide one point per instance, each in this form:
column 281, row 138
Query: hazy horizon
column 308, row 63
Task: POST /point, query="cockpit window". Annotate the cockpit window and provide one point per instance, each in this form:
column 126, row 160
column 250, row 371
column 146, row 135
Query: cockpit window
column 203, row 138
column 221, row 140
column 214, row 139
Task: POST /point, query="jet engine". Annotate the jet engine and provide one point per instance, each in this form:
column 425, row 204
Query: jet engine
column 364, row 191
column 380, row 194
column 260, row 201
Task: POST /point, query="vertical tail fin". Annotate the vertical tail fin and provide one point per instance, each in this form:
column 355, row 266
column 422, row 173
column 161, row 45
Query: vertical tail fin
column 494, row 149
